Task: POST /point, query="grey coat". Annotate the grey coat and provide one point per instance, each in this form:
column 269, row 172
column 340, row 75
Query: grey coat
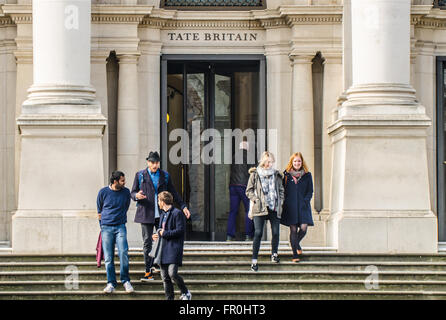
column 255, row 187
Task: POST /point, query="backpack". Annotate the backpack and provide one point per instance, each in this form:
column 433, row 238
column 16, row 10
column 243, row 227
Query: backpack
column 141, row 178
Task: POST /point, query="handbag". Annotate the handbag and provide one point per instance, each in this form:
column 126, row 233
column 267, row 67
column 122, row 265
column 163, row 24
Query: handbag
column 251, row 203
column 155, row 248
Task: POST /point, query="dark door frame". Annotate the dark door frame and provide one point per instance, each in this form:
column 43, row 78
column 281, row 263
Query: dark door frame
column 208, row 58
column 441, row 187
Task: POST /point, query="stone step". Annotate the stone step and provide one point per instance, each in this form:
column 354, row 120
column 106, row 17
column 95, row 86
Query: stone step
column 237, row 255
column 230, row 295
column 236, row 265
column 239, row 275
column 196, row 285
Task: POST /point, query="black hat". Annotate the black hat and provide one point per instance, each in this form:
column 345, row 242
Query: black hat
column 153, row 156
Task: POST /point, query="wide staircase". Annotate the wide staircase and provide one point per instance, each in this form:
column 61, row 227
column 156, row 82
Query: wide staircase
column 221, row 270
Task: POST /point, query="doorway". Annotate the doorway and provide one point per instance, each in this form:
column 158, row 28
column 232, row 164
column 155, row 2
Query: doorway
column 201, row 93
column 441, row 147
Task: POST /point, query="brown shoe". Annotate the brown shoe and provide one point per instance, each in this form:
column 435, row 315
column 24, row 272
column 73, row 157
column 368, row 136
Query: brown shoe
column 299, row 252
column 296, row 260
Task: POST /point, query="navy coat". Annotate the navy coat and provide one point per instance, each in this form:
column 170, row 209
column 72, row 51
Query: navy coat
column 296, row 206
column 173, row 237
column 145, row 208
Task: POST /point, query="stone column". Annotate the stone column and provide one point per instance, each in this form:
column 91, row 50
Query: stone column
column 302, row 120
column 61, row 126
column 279, row 81
column 99, row 82
column 332, row 89
column 128, row 117
column 279, row 78
column 380, row 192
column 128, row 133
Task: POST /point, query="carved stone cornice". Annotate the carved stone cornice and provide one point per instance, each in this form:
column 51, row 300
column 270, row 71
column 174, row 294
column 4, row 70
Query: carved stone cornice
column 324, row 14
column 273, row 23
column 317, row 19
column 6, row 21
column 116, row 18
column 158, row 23
column 201, row 24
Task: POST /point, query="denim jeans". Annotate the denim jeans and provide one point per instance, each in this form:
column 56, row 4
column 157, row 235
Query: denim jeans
column 237, row 194
column 112, row 235
column 259, row 222
column 169, row 272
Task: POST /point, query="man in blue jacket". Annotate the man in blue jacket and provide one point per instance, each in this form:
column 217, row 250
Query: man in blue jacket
column 113, row 202
column 170, row 251
column 148, row 183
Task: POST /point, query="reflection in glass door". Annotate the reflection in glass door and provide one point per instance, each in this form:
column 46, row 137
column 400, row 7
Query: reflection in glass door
column 200, row 96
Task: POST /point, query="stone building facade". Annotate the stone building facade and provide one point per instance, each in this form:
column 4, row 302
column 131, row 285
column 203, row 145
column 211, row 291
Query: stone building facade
column 357, row 86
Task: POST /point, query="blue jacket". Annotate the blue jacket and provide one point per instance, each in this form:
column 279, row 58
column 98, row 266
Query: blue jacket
column 296, row 206
column 145, row 208
column 173, row 237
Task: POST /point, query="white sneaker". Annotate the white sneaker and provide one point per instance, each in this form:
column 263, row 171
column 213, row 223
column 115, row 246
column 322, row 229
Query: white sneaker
column 128, row 287
column 186, row 296
column 109, row 288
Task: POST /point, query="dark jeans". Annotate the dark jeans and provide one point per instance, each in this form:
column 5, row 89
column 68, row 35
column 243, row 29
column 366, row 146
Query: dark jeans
column 147, row 231
column 169, row 272
column 259, row 222
column 237, row 194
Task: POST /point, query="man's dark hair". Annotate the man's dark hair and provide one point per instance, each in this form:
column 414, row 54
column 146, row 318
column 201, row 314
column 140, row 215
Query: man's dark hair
column 116, row 175
column 166, row 197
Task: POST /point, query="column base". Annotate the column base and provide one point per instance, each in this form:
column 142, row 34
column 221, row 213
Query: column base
column 61, row 172
column 316, row 235
column 383, row 232
column 55, row 232
column 380, row 187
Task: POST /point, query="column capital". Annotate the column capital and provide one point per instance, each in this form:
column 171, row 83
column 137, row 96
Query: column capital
column 128, row 57
column 99, row 57
column 301, row 58
column 332, row 57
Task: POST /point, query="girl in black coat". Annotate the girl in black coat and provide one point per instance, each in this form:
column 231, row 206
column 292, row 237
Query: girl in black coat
column 296, row 212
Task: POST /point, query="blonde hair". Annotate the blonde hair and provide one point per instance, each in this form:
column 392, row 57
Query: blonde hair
column 290, row 162
column 266, row 155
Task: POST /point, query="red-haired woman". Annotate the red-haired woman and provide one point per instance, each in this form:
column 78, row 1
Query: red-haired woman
column 296, row 213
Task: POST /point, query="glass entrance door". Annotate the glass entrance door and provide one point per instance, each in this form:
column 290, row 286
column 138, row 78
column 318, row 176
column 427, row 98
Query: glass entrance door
column 441, row 147
column 201, row 97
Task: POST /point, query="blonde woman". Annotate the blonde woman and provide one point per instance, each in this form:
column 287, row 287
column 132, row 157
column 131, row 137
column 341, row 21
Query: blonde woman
column 265, row 189
column 296, row 214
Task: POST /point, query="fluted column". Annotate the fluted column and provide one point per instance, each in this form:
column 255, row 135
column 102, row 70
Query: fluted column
column 128, row 117
column 302, row 113
column 380, row 194
column 61, row 127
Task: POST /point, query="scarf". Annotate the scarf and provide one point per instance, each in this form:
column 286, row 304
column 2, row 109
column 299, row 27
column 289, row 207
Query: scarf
column 296, row 174
column 267, row 179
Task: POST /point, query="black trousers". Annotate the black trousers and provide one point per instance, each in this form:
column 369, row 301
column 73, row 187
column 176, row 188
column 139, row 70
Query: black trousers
column 147, row 231
column 169, row 272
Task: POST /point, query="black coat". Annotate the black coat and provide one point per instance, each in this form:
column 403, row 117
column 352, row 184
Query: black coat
column 173, row 237
column 296, row 206
column 145, row 208
column 239, row 172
